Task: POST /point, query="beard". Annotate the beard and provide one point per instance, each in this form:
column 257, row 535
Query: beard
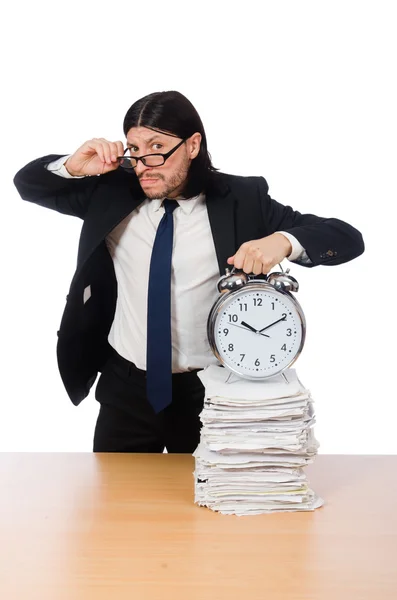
column 174, row 181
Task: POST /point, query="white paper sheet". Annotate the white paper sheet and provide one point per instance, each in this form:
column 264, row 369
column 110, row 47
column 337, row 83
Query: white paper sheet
column 256, row 439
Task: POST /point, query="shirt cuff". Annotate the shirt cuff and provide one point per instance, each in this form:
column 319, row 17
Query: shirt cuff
column 58, row 168
column 298, row 251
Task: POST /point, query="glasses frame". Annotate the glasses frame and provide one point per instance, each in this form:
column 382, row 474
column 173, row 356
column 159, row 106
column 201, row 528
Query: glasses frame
column 142, row 158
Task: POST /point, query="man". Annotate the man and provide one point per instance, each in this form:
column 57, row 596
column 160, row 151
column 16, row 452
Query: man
column 161, row 224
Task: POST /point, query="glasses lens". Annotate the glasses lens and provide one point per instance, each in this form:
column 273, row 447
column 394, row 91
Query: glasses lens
column 127, row 162
column 153, row 160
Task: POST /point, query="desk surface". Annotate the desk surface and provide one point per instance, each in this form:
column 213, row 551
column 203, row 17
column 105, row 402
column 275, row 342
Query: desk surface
column 124, row 526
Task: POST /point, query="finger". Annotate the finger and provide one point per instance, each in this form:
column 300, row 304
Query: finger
column 267, row 266
column 107, row 152
column 120, row 148
column 239, row 257
column 239, row 260
column 114, row 153
column 248, row 264
column 96, row 144
column 257, row 267
column 253, row 257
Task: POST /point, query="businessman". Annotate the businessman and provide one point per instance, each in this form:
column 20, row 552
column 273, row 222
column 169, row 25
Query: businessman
column 160, row 225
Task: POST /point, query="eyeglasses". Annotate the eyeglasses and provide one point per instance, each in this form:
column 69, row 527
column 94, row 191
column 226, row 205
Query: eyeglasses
column 149, row 160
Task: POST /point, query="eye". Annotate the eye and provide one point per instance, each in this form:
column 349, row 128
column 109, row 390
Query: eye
column 159, row 146
column 133, row 149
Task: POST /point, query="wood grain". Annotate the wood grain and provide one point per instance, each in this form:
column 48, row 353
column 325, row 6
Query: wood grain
column 124, row 526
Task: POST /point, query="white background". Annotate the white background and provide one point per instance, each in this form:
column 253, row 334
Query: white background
column 302, row 93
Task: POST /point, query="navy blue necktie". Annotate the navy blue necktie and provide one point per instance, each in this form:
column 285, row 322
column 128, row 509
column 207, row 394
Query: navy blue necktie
column 159, row 348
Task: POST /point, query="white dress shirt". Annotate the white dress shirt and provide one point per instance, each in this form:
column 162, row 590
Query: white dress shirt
column 194, row 275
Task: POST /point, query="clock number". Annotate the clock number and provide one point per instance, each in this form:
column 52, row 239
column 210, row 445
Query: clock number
column 272, row 358
column 284, row 347
column 257, row 363
column 225, row 331
column 242, row 357
column 241, row 306
column 284, row 315
column 272, row 305
column 233, row 318
column 289, row 332
column 231, row 348
column 257, row 301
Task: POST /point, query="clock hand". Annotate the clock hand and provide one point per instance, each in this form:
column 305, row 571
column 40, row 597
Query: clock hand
column 249, row 327
column 271, row 324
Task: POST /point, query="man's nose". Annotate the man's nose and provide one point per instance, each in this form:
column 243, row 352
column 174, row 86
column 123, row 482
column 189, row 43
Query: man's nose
column 141, row 168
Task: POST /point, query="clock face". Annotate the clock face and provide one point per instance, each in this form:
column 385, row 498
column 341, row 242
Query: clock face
column 258, row 331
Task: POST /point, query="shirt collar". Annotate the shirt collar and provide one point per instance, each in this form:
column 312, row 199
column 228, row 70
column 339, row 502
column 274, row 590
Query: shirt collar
column 187, row 205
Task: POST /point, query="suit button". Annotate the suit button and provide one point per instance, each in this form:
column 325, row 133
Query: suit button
column 67, row 297
column 58, row 332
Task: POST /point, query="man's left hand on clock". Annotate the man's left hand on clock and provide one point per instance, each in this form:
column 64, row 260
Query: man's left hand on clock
column 260, row 256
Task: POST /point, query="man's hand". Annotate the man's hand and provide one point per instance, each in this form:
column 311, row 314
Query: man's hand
column 260, row 256
column 95, row 157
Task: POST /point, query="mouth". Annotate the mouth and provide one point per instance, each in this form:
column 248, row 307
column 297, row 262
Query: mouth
column 148, row 180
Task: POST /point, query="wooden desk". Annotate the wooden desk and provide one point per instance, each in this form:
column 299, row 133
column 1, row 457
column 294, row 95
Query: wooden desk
column 124, row 527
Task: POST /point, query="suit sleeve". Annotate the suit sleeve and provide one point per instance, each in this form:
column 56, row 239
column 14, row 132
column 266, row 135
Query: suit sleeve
column 327, row 241
column 68, row 196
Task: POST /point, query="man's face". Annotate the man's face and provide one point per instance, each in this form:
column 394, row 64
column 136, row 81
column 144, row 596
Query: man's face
column 169, row 179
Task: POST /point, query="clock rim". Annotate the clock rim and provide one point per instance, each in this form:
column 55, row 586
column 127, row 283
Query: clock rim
column 254, row 286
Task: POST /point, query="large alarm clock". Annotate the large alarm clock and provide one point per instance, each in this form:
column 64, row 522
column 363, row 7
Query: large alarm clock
column 256, row 328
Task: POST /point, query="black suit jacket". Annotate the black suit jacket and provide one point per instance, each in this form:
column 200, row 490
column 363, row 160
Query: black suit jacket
column 239, row 209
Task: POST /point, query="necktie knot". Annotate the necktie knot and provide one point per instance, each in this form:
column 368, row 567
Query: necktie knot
column 170, row 205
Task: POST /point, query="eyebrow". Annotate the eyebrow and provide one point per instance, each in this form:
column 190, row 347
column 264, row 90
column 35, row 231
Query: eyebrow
column 148, row 141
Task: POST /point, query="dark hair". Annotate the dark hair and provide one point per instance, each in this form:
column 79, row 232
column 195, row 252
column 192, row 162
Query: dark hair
column 172, row 112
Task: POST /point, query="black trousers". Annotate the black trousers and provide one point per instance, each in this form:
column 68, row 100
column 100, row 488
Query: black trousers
column 128, row 423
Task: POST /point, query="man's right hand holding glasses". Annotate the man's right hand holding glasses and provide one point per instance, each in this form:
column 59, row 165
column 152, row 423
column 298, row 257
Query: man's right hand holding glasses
column 95, row 157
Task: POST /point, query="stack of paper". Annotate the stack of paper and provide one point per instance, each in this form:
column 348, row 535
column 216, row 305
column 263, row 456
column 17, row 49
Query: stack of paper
column 255, row 440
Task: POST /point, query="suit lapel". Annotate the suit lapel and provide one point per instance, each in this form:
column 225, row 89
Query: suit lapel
column 114, row 203
column 221, row 214
column 118, row 201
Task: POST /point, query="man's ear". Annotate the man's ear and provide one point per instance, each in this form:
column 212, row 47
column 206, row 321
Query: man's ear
column 194, row 144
